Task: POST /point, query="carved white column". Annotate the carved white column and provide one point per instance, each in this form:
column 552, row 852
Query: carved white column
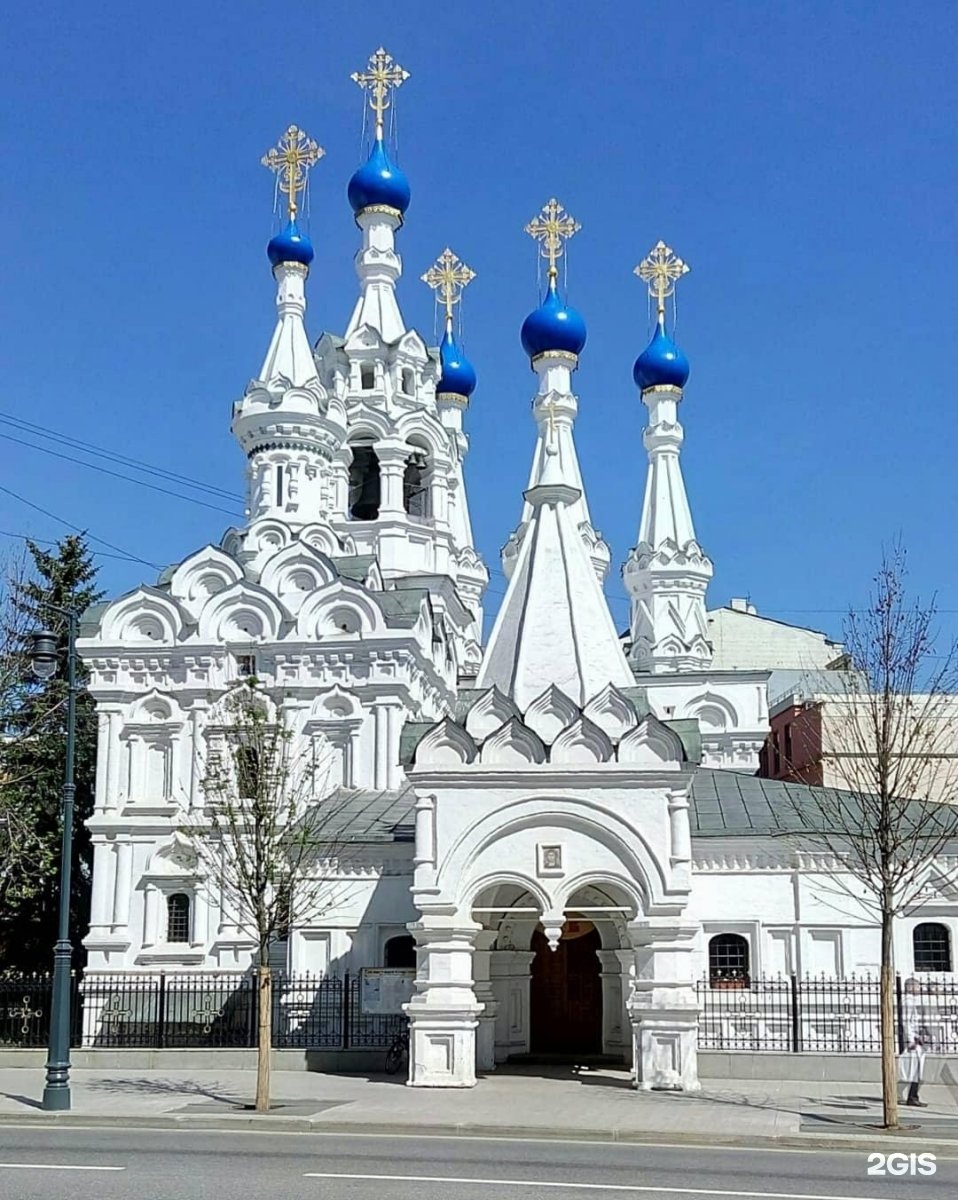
column 510, row 980
column 613, row 1035
column 443, row 1014
column 680, row 833
column 664, row 1007
column 152, row 917
column 380, row 746
column 392, row 469
column 201, row 916
column 101, row 898
column 113, row 758
column 197, row 725
column 393, row 727
column 122, row 891
column 485, row 995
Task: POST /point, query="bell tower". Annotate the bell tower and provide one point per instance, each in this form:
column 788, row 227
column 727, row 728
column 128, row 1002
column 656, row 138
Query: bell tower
column 287, row 423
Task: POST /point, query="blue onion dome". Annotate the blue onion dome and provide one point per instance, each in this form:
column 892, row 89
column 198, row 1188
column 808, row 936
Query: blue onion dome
column 458, row 374
column 553, row 326
column 378, row 182
column 661, row 363
column 290, row 246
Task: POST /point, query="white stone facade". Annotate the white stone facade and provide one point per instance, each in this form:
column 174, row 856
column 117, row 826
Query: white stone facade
column 550, row 779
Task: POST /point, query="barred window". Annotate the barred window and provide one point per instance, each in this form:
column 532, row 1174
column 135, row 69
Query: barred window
column 931, row 943
column 728, row 961
column 178, row 917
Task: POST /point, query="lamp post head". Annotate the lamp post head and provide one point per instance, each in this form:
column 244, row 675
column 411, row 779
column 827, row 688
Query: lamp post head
column 43, row 653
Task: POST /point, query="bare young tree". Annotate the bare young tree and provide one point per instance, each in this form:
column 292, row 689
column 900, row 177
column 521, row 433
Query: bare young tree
column 890, row 738
column 269, row 814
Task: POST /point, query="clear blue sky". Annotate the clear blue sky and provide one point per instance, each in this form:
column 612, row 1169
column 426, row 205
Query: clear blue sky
column 801, row 156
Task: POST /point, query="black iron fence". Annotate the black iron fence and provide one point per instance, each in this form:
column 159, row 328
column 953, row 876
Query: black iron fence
column 192, row 1010
column 823, row 1015
column 170, row 1010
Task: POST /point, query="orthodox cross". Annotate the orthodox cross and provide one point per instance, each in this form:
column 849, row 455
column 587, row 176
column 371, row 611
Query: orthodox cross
column 551, row 229
column 290, row 160
column 448, row 277
column 660, row 269
column 379, row 78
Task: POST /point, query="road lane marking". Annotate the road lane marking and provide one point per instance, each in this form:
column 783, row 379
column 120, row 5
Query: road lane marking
column 52, row 1167
column 592, row 1187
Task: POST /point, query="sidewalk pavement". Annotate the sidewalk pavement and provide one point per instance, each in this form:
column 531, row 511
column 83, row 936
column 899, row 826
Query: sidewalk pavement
column 549, row 1102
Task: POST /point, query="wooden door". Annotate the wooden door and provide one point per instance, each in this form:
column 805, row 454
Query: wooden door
column 566, row 996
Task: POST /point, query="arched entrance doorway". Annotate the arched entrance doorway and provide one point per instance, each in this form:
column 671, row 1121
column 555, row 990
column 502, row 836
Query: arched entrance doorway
column 565, row 998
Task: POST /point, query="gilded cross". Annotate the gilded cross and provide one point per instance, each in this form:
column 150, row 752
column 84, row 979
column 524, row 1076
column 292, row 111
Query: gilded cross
column 290, row 159
column 381, row 75
column 448, row 277
column 552, row 228
column 660, row 269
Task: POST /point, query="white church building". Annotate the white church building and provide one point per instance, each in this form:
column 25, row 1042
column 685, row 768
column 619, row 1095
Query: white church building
column 562, row 828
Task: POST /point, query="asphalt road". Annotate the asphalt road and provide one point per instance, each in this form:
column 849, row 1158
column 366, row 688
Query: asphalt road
column 138, row 1164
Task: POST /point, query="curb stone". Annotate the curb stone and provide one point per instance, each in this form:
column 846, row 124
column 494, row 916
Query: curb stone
column 247, row 1122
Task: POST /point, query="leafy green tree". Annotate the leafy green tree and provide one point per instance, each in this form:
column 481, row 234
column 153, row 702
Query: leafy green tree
column 32, row 758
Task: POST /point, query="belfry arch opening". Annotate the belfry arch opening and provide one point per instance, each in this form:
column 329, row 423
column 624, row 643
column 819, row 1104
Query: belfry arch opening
column 415, row 484
column 365, row 493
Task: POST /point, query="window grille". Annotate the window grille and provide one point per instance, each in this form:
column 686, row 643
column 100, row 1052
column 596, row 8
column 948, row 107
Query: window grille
column 178, row 917
column 728, row 961
column 931, row 944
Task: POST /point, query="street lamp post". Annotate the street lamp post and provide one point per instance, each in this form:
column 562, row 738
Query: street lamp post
column 43, row 656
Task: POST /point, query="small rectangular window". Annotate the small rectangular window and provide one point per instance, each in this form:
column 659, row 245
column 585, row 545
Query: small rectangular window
column 788, row 745
column 279, row 487
column 367, row 377
column 246, row 664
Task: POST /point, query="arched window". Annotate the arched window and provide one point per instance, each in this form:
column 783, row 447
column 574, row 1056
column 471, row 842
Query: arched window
column 367, row 377
column 931, row 944
column 178, row 917
column 415, row 489
column 400, row 951
column 728, row 961
column 408, row 381
column 364, row 487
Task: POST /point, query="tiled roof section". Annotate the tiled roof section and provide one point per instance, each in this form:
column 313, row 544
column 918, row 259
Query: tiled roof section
column 355, row 566
column 90, row 618
column 358, row 815
column 727, row 804
column 401, row 608
column 409, row 739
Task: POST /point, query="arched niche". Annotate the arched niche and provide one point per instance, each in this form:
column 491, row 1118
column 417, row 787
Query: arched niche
column 243, row 613
column 203, row 574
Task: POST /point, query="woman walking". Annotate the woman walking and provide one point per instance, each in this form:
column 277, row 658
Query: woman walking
column 913, row 1058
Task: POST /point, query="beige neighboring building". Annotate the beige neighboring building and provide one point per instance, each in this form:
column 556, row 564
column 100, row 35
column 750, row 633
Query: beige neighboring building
column 817, row 736
column 743, row 640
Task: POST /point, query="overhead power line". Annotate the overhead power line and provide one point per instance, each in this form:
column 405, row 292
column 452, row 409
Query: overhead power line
column 114, row 456
column 76, row 529
column 154, row 487
column 28, row 537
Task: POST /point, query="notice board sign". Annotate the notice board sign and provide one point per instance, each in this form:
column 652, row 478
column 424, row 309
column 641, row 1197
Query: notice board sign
column 384, row 990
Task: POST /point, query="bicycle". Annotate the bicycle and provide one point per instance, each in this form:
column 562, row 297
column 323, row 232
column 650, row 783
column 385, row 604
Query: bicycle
column 397, row 1056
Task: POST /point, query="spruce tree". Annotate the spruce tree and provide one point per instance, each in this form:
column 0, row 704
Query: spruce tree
column 32, row 759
